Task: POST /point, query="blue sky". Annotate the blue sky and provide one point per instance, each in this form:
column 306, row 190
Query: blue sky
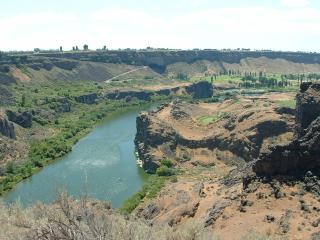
column 273, row 24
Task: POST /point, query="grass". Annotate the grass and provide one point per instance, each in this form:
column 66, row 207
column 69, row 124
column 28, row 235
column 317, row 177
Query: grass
column 86, row 218
column 287, row 103
column 149, row 190
column 237, row 80
column 152, row 187
column 68, row 127
column 219, row 79
column 209, row 119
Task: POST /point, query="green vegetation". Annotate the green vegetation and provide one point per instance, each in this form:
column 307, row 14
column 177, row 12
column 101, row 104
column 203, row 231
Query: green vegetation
column 152, row 187
column 166, row 168
column 71, row 128
column 167, row 162
column 287, row 103
column 44, row 101
column 260, row 80
column 165, row 171
column 220, row 79
column 150, row 190
column 206, row 120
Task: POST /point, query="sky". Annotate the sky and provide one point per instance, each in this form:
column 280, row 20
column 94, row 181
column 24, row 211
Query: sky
column 292, row 25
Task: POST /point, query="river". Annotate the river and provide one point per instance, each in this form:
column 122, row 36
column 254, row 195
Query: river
column 101, row 165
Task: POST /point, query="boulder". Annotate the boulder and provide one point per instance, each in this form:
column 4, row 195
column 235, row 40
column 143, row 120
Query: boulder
column 23, row 119
column 215, row 212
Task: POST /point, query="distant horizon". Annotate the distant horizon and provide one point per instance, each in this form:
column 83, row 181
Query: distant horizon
column 289, row 25
column 152, row 49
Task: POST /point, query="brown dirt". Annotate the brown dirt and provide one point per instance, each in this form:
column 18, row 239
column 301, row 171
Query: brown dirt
column 202, row 192
column 177, row 201
column 19, row 75
column 245, row 125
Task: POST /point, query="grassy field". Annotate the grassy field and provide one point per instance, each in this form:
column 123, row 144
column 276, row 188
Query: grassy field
column 287, row 103
column 206, row 120
column 221, row 79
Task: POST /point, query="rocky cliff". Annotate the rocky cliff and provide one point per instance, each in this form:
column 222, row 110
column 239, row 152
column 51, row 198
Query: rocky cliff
column 197, row 90
column 23, row 119
column 308, row 106
column 159, row 60
column 303, row 153
column 198, row 134
column 65, row 105
column 129, row 95
column 87, row 98
column 200, row 90
column 7, row 128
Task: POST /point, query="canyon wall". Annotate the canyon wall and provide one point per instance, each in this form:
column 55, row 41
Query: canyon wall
column 303, row 153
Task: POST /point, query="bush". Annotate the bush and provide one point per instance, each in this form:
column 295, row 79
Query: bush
column 167, row 162
column 164, row 171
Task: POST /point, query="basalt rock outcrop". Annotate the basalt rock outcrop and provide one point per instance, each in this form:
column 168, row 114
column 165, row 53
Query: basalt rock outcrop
column 240, row 133
column 159, row 60
column 23, row 119
column 200, row 90
column 197, row 90
column 65, row 105
column 303, row 153
column 7, row 128
column 87, row 98
column 308, row 106
column 129, row 95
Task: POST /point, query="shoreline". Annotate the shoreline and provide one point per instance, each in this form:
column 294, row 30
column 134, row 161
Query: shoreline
column 8, row 182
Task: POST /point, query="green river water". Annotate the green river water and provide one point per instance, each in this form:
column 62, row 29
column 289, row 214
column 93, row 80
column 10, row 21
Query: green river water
column 101, row 165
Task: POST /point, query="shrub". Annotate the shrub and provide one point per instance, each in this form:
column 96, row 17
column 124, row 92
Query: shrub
column 87, row 219
column 164, row 171
column 149, row 190
column 167, row 162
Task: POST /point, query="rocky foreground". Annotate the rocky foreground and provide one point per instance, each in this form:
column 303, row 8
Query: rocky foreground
column 248, row 165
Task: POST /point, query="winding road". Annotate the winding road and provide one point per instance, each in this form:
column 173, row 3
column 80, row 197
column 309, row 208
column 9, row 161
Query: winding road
column 122, row 74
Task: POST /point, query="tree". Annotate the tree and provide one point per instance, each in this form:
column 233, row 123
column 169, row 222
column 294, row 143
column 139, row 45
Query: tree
column 23, row 100
column 85, row 47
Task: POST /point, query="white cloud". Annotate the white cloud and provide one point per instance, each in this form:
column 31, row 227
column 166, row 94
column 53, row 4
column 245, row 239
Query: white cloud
column 295, row 3
column 253, row 27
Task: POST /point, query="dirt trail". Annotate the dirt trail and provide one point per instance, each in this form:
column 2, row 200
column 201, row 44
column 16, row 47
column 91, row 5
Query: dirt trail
column 126, row 73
